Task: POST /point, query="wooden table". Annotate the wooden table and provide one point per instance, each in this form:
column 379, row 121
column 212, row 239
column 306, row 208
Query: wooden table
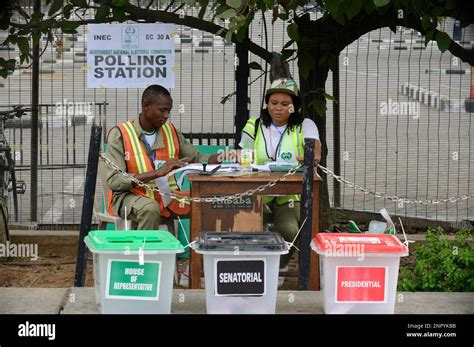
column 216, row 185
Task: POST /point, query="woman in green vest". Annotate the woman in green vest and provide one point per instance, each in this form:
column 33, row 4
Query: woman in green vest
column 278, row 136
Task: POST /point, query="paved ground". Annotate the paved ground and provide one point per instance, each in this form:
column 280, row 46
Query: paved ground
column 426, row 155
column 82, row 301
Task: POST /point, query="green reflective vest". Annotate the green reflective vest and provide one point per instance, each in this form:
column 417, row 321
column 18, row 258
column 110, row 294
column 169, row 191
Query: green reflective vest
column 291, row 140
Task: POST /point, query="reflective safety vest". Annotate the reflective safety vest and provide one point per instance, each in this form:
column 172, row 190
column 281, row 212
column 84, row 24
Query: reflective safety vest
column 138, row 161
column 291, row 140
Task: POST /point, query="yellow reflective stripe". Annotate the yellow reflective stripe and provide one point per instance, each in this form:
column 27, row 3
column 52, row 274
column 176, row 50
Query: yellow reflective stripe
column 296, row 141
column 249, row 127
column 169, row 139
column 138, row 153
column 136, row 147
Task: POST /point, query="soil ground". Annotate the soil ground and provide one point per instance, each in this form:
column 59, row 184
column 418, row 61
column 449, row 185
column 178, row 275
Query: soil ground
column 56, row 267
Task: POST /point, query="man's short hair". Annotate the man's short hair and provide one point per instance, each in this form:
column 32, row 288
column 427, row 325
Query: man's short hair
column 153, row 92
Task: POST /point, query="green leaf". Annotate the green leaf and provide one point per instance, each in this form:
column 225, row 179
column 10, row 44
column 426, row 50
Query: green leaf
column 190, row 2
column 56, row 5
column 352, row 8
column 228, row 36
column 69, row 27
column 23, row 45
column 319, row 106
column 227, row 97
column 329, row 96
column 443, row 40
column 8, row 65
column 37, row 16
column 119, row 3
column 426, row 22
column 288, row 44
column 287, row 53
column 230, row 12
column 338, row 17
column 241, row 34
column 67, row 11
column 381, row 3
column 305, row 64
column 270, row 3
column 202, row 11
column 119, row 14
column 234, row 3
column 293, row 33
column 283, row 16
column 80, row 3
column 451, row 4
column 102, row 13
column 249, row 18
column 437, row 11
column 255, row 66
column 304, row 69
column 369, row 7
column 3, row 73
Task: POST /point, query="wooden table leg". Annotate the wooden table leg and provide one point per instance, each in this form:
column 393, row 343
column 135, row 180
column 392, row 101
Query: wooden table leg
column 194, row 258
column 314, row 272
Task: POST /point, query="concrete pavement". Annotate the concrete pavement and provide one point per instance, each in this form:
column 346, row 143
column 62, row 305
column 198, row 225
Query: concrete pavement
column 82, row 301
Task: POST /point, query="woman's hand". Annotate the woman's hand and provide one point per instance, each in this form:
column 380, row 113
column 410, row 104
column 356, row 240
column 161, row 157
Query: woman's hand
column 301, row 161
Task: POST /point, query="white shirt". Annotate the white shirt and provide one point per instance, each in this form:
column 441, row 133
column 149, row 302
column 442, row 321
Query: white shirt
column 150, row 139
column 272, row 135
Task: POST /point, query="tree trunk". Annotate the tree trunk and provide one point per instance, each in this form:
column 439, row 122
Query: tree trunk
column 317, row 80
column 313, row 36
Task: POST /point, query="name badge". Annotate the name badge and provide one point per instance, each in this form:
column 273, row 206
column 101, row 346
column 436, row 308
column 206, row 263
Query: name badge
column 286, row 156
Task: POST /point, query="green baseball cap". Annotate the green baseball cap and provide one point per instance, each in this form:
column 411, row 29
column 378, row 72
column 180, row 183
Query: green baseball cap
column 283, row 85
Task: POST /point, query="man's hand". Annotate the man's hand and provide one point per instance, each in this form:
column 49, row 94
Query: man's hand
column 170, row 165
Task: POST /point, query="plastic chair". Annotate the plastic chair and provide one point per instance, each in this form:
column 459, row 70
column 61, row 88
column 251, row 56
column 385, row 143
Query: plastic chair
column 104, row 216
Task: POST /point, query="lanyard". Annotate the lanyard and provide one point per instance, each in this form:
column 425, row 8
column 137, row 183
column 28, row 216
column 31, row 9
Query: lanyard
column 278, row 147
column 153, row 153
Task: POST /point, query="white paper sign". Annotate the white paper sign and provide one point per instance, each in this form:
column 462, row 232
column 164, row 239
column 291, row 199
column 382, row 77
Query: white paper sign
column 130, row 55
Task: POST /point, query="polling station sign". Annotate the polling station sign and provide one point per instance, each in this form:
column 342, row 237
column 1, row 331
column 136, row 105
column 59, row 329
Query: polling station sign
column 130, row 55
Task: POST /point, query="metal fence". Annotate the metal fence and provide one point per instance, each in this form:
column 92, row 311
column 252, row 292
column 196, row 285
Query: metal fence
column 403, row 129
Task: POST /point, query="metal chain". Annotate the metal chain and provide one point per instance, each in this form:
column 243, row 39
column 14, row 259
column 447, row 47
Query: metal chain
column 181, row 198
column 270, row 184
column 394, row 197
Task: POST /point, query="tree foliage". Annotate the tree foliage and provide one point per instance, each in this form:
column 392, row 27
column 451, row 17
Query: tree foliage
column 340, row 17
column 318, row 41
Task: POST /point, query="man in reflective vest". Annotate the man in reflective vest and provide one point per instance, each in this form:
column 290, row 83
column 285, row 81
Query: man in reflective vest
column 148, row 148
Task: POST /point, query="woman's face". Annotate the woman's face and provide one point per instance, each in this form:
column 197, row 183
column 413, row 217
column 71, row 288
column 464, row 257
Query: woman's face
column 280, row 106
